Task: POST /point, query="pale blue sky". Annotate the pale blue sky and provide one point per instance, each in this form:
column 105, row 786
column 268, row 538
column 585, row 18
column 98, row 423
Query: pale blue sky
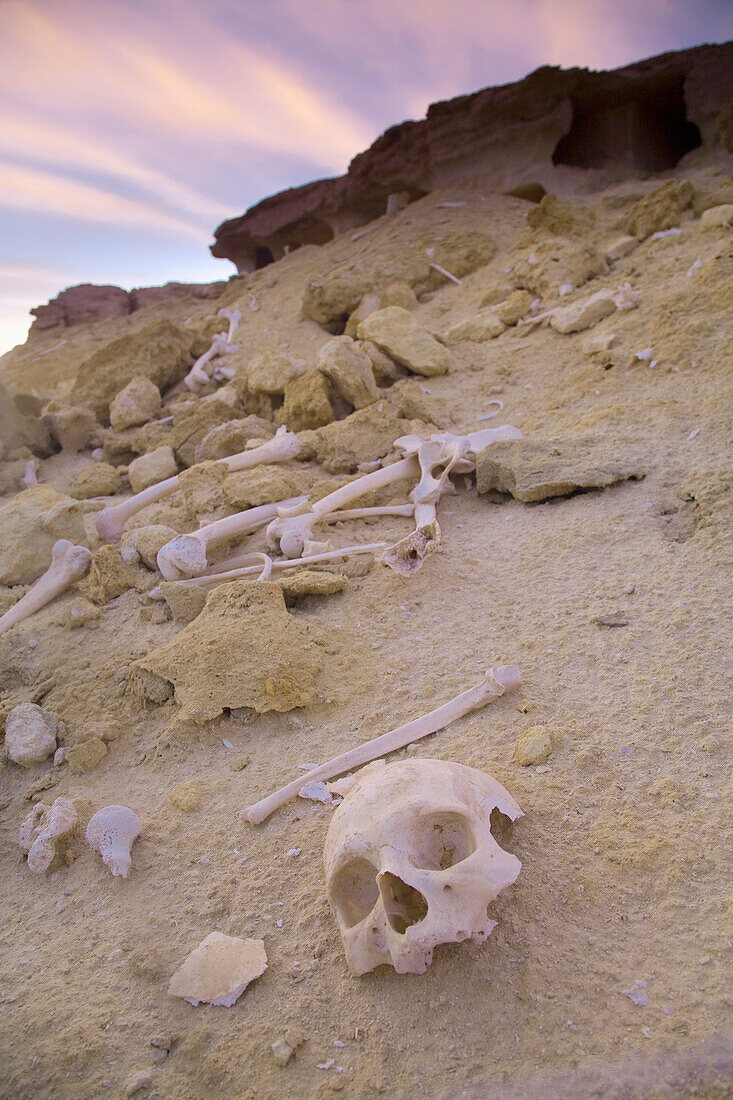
column 130, row 128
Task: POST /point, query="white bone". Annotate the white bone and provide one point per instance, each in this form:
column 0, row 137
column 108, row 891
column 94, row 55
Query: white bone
column 30, row 474
column 291, row 532
column 111, row 833
column 233, row 316
column 411, row 862
column 198, row 376
column 68, row 563
column 495, row 683
column 245, row 569
column 44, row 830
column 111, row 521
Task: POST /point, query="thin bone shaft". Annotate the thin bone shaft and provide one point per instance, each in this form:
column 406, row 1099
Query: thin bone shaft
column 286, row 563
column 494, row 684
column 378, row 479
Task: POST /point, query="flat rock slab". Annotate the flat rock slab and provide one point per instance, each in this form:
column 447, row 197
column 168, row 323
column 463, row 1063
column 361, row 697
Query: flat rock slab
column 533, row 471
column 219, row 970
column 396, row 332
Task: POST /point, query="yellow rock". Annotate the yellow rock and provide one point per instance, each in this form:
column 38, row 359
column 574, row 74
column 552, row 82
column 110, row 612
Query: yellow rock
column 534, row 746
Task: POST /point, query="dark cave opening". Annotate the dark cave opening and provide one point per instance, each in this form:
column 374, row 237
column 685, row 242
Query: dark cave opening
column 263, row 256
column 645, row 126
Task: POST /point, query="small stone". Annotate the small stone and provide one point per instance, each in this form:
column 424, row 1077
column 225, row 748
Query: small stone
column 583, row 314
column 484, row 325
column 59, row 757
column 85, row 756
column 349, row 368
column 109, row 575
column 219, row 970
column 187, row 796
column 661, row 209
column 619, row 247
column 718, row 217
column 385, row 370
column 137, row 403
column 138, row 1082
column 298, row 583
column 98, row 479
column 515, row 307
column 614, row 618
column 30, row 734
column 259, row 485
column 152, row 467
column 284, row 1048
column 145, row 542
column 315, row 791
column 534, row 746
column 396, row 332
column 232, row 438
column 306, row 404
column 271, row 372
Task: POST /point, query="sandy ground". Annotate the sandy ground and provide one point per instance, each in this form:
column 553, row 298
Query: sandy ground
column 625, row 843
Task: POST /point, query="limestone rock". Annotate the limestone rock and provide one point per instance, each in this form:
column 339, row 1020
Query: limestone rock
column 398, row 293
column 532, row 470
column 98, row 479
column 306, row 404
column 349, row 369
column 534, row 746
column 71, row 427
column 271, row 372
column 385, row 370
column 364, row 436
column 184, row 603
column 661, row 209
column 151, row 468
column 562, row 217
column 297, row 583
column 484, row 325
column 259, row 485
column 249, row 653
column 109, row 575
column 30, row 524
column 193, row 423
column 515, row 307
column 46, row 832
column 79, row 612
column 203, row 490
column 137, row 403
column 18, row 430
column 330, row 297
column 583, row 314
column 717, row 217
column 30, row 734
column 81, row 304
column 619, row 247
column 160, row 351
column 557, row 261
column 369, row 304
column 86, row 755
column 232, row 437
column 398, row 334
column 143, row 543
column 219, row 970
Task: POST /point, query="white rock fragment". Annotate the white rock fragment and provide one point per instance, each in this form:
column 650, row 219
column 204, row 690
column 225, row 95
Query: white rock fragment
column 637, row 993
column 626, row 297
column 30, row 734
column 219, row 970
column 315, row 791
column 111, row 833
column 581, row 315
column 45, row 831
column 694, row 268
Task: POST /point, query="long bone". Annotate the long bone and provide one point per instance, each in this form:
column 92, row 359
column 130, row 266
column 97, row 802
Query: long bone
column 233, row 316
column 291, row 532
column 247, row 570
column 68, row 563
column 495, row 683
column 111, row 521
column 198, row 376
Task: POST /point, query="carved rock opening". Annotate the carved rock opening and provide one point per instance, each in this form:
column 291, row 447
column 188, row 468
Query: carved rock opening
column 646, row 126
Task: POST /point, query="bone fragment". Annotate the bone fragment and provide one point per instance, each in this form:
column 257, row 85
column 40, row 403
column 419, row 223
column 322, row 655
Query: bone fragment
column 495, row 683
column 198, row 376
column 68, row 563
column 30, row 474
column 111, row 833
column 233, row 316
column 111, row 521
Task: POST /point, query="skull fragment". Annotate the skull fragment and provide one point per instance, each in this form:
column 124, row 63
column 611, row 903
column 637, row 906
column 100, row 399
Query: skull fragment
column 411, row 862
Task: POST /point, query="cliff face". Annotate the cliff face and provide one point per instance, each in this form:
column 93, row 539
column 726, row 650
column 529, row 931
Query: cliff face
column 559, row 130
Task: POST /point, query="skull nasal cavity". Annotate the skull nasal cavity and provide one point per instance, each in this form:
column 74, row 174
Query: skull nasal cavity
column 354, row 891
column 403, row 904
column 440, row 841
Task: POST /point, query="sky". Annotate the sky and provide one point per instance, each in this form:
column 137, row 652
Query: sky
column 129, row 129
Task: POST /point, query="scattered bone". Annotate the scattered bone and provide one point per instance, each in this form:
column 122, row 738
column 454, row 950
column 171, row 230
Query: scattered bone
column 111, row 833
column 68, row 564
column 111, row 521
column 30, row 476
column 411, row 862
column 198, row 376
column 233, row 316
column 626, row 297
column 495, row 683
column 219, row 970
column 30, row 734
column 45, row 832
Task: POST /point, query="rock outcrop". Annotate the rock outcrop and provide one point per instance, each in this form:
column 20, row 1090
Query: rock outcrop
column 79, row 305
column 519, row 138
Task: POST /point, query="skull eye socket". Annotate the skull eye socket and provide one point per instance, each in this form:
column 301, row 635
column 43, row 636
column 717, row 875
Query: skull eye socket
column 354, row 891
column 441, row 840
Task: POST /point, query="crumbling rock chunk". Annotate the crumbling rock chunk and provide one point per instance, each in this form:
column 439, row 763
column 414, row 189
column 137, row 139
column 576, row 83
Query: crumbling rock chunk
column 30, row 524
column 661, row 209
column 232, row 437
column 249, row 653
column 483, row 325
column 298, row 583
column 19, row 430
column 584, row 313
column 349, row 369
column 307, row 404
column 86, row 755
column 160, row 351
column 271, row 371
column 150, row 468
column 109, row 575
column 259, row 485
column 30, row 734
column 98, row 479
column 533, row 471
column 399, row 335
column 71, row 427
column 46, row 832
column 364, row 436
column 134, row 405
column 548, row 264
column 193, row 424
column 143, row 543
column 202, row 487
column 562, row 217
column 330, row 299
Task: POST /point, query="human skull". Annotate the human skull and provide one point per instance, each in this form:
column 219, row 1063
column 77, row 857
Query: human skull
column 411, row 862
